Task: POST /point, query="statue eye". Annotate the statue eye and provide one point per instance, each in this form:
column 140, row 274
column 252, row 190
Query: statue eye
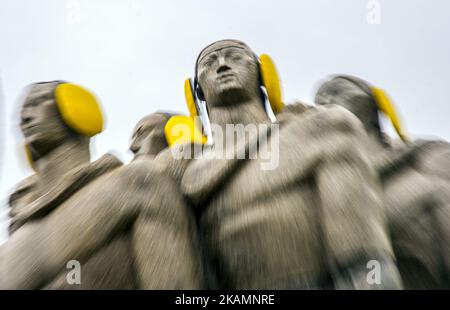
column 137, row 133
column 236, row 57
column 33, row 103
column 209, row 61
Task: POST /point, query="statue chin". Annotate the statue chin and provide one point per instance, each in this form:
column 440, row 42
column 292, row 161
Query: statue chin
column 35, row 142
column 231, row 94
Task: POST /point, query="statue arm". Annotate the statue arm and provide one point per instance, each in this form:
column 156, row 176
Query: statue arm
column 292, row 109
column 352, row 214
column 39, row 250
column 435, row 159
column 163, row 234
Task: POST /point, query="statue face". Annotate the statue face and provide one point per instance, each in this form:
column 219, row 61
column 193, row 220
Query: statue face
column 41, row 123
column 148, row 136
column 227, row 72
column 347, row 94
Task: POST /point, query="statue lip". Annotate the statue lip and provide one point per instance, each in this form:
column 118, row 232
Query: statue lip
column 225, row 76
column 28, row 128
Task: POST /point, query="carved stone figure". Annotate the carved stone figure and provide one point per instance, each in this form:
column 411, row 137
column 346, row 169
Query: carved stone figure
column 148, row 136
column 22, row 196
column 415, row 179
column 314, row 221
column 149, row 142
column 127, row 226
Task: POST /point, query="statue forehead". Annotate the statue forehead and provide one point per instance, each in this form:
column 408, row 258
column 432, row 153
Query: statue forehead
column 40, row 90
column 46, row 86
column 220, row 45
column 351, row 82
column 151, row 119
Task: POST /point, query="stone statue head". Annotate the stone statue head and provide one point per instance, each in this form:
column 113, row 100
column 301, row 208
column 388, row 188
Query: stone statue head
column 353, row 94
column 227, row 72
column 41, row 123
column 148, row 136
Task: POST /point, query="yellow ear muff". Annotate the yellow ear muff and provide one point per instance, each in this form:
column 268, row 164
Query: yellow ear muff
column 79, row 109
column 385, row 105
column 271, row 82
column 190, row 100
column 29, row 156
column 182, row 129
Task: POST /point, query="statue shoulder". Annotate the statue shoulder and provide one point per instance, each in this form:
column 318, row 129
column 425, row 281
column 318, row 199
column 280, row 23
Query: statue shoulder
column 23, row 187
column 23, row 194
column 327, row 119
column 139, row 171
column 293, row 109
column 340, row 117
column 434, row 157
column 146, row 175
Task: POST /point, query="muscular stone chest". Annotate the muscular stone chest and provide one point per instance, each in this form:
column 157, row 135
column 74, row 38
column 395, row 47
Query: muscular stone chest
column 270, row 241
column 109, row 267
column 267, row 221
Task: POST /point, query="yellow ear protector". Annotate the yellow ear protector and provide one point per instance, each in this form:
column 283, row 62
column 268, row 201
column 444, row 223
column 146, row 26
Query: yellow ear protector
column 385, row 105
column 189, row 94
column 194, row 108
column 269, row 80
column 79, row 109
column 181, row 129
column 29, row 156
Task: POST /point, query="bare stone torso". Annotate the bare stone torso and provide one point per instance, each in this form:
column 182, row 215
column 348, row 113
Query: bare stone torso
column 118, row 273
column 264, row 228
column 418, row 205
column 124, row 229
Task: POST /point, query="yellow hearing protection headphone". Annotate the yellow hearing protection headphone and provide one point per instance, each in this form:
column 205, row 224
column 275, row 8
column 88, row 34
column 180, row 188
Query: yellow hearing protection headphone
column 29, row 156
column 181, row 129
column 385, row 105
column 383, row 102
column 79, row 110
column 269, row 80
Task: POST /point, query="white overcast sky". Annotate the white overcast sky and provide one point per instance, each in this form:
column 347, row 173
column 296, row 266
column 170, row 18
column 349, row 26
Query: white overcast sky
column 135, row 55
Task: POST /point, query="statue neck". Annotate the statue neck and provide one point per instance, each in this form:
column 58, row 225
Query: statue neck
column 375, row 135
column 248, row 112
column 55, row 164
column 375, row 144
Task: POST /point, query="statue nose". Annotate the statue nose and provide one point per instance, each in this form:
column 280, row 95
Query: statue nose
column 25, row 118
column 223, row 68
column 134, row 147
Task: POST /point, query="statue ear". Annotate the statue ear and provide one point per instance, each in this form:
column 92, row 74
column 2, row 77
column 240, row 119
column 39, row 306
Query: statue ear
column 182, row 129
column 385, row 105
column 79, row 109
column 199, row 91
column 189, row 95
column 271, row 82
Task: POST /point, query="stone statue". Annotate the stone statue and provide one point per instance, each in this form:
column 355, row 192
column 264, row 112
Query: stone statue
column 126, row 226
column 22, row 196
column 314, row 221
column 148, row 136
column 148, row 141
column 415, row 179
